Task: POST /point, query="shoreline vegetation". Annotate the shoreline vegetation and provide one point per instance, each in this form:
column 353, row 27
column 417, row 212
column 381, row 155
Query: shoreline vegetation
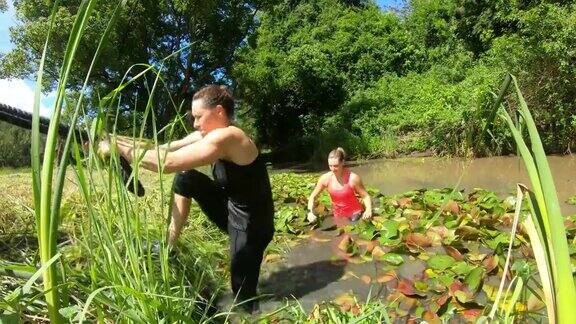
column 464, row 240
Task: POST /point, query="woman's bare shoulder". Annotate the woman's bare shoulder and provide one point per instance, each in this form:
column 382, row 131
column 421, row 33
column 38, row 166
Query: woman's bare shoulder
column 324, row 177
column 354, row 177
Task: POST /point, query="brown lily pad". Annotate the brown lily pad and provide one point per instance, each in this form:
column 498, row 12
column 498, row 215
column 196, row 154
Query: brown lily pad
column 452, row 207
column 490, row 263
column 345, row 302
column 366, row 279
column 418, row 240
column 431, row 317
column 569, row 224
column 460, row 292
column 369, row 245
column 453, row 252
column 406, row 287
column 378, row 252
column 468, row 232
column 471, row 315
column 403, row 202
column 387, row 276
column 454, row 287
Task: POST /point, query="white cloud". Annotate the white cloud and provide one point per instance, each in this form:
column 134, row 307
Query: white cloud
column 18, row 93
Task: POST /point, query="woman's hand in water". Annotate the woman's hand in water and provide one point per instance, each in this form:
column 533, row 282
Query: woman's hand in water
column 311, row 217
column 367, row 214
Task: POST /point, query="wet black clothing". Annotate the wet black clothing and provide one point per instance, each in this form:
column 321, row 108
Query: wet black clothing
column 238, row 201
column 247, row 188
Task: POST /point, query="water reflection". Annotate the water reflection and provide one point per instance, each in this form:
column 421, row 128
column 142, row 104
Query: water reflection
column 302, row 279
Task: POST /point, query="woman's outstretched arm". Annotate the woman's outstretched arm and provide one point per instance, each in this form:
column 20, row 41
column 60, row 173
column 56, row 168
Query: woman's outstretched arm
column 358, row 186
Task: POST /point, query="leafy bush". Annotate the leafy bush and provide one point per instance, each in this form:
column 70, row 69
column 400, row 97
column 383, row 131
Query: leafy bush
column 14, row 146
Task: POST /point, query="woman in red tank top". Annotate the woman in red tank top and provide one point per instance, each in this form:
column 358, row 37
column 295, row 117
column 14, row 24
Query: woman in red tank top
column 343, row 187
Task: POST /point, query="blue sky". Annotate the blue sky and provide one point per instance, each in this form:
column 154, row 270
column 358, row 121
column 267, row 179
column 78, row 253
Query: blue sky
column 390, row 3
column 6, row 20
column 19, row 93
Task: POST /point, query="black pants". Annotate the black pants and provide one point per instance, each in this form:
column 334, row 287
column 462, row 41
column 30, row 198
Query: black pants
column 246, row 246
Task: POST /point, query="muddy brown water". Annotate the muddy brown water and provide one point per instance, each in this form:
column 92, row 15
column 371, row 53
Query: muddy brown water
column 311, row 273
column 499, row 174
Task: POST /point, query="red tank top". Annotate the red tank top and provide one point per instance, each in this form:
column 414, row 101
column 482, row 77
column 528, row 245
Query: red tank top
column 344, row 201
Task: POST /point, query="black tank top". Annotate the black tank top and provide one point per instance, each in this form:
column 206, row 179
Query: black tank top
column 250, row 203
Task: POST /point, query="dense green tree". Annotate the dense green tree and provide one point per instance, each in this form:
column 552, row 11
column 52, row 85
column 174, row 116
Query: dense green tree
column 318, row 72
column 480, row 21
column 146, row 32
column 305, row 59
column 315, row 74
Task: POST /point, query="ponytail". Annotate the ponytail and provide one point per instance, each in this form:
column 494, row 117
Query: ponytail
column 338, row 153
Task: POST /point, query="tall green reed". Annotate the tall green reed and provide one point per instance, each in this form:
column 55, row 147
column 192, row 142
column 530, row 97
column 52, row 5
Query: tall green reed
column 545, row 225
column 47, row 205
column 130, row 278
column 130, row 267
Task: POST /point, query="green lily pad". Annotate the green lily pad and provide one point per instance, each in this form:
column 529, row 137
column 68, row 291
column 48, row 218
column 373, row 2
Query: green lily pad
column 451, row 224
column 474, row 278
column 502, row 239
column 462, row 296
column 441, row 262
column 389, row 229
column 392, row 258
column 421, row 285
column 461, row 268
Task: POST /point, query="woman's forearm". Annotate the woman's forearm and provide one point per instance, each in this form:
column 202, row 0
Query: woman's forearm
column 129, row 141
column 151, row 159
column 172, row 146
column 178, row 144
column 311, row 202
column 367, row 202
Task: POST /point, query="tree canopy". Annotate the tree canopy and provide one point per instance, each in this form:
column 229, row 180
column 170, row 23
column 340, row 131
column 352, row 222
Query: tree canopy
column 312, row 74
column 146, row 32
column 320, row 72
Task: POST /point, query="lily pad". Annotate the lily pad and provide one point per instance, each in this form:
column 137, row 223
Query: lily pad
column 453, row 252
column 490, row 263
column 461, row 268
column 403, row 202
column 474, row 278
column 389, row 229
column 366, row 279
column 386, row 277
column 440, row 262
column 406, row 287
column 378, row 252
column 418, row 240
column 452, row 207
column 431, row 317
column 392, row 258
column 468, row 232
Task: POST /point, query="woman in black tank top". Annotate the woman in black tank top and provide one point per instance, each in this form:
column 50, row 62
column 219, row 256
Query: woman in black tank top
column 238, row 199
